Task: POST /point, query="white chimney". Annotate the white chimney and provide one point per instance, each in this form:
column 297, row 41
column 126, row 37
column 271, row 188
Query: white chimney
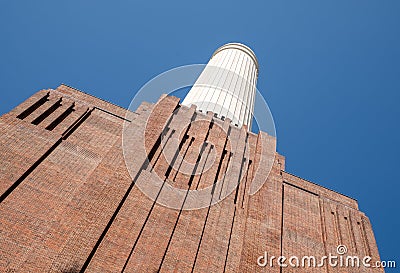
column 227, row 85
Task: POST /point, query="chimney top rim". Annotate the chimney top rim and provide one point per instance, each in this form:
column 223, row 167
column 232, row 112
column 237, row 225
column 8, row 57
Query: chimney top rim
column 238, row 46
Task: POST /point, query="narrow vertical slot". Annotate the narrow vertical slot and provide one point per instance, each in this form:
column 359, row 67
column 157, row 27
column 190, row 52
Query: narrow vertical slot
column 33, row 107
column 47, row 113
column 60, row 118
column 245, row 182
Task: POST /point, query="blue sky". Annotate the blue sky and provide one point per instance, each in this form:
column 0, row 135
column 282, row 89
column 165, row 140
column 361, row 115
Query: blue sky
column 328, row 69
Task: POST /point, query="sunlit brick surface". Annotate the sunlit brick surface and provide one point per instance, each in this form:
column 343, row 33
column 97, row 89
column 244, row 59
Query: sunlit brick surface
column 69, row 204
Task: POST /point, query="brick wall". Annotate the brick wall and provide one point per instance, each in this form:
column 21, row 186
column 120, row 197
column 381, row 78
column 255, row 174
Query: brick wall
column 68, row 202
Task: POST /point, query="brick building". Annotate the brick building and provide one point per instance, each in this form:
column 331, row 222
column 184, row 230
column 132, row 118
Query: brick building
column 68, row 202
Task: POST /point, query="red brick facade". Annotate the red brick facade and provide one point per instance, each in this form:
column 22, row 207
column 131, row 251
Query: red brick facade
column 69, row 204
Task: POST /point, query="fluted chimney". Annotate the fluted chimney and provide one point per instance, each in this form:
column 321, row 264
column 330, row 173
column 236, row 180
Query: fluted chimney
column 227, row 85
